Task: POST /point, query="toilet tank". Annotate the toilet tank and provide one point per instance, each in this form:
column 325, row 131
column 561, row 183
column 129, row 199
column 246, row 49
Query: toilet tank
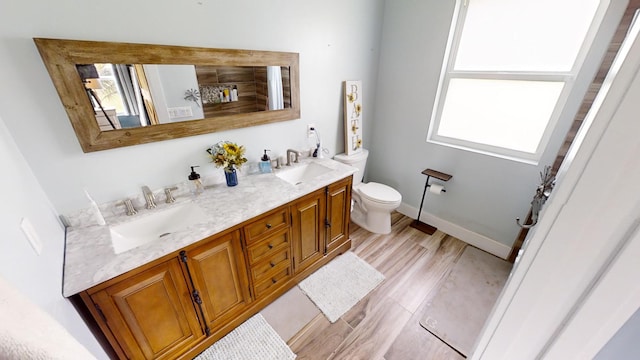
column 358, row 160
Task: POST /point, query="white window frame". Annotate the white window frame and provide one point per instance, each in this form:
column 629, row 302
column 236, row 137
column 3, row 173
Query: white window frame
column 448, row 73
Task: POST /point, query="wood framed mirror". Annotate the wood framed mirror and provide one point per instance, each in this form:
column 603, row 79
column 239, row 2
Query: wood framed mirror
column 216, row 89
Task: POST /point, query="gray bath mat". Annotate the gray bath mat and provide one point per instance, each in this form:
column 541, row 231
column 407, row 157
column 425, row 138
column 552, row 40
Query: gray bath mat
column 459, row 309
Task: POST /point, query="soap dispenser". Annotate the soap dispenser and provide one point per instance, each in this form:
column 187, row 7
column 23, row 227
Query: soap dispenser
column 196, row 185
column 265, row 163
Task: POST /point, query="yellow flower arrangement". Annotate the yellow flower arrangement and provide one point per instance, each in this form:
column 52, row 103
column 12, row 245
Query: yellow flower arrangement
column 226, row 153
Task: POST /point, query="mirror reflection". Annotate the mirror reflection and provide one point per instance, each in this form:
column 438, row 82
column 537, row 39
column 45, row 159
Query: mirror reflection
column 167, row 92
column 127, row 96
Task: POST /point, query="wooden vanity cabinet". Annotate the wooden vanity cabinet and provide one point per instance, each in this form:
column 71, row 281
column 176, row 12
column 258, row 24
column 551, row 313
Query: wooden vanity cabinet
column 338, row 214
column 217, row 272
column 177, row 306
column 150, row 315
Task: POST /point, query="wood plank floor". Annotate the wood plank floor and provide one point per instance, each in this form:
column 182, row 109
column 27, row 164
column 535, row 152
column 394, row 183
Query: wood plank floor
column 385, row 324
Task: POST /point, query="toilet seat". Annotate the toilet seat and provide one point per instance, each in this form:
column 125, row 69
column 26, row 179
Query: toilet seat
column 379, row 193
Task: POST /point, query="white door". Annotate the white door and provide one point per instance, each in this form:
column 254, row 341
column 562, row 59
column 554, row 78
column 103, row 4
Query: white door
column 576, row 282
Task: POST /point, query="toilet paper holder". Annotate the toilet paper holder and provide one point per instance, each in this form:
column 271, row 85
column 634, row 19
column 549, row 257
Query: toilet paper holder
column 417, row 224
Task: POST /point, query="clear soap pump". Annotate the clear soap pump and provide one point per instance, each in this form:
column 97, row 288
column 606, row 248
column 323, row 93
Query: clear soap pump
column 196, row 185
column 265, row 163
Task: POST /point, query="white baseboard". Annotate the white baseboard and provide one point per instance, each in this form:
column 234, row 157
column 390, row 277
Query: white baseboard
column 480, row 241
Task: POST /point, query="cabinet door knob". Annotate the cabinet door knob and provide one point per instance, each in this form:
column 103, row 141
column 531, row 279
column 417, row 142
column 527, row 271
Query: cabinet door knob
column 272, row 264
column 270, row 246
column 268, row 226
column 274, row 281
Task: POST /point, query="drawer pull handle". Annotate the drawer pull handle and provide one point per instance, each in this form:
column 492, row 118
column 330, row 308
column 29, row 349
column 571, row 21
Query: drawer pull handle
column 272, row 264
column 270, row 246
column 274, row 281
column 268, row 226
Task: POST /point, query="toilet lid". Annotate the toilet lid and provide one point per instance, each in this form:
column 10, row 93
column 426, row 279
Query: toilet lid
column 380, row 193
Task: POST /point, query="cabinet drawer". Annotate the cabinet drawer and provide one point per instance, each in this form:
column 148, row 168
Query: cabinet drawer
column 272, row 282
column 267, row 225
column 269, row 246
column 271, row 266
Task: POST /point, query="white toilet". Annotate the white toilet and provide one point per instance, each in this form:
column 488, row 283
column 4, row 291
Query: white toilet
column 372, row 203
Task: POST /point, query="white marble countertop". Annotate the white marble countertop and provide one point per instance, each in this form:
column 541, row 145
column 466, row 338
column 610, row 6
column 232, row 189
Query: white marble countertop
column 91, row 260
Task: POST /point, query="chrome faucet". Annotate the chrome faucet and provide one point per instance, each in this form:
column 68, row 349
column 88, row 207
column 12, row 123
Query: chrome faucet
column 149, row 198
column 169, row 195
column 294, row 152
column 131, row 210
column 278, row 163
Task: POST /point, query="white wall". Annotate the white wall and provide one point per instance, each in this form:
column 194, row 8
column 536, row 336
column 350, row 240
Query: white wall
column 486, row 194
column 336, row 40
column 39, row 277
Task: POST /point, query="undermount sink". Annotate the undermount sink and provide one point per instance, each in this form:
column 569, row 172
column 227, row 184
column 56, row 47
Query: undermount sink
column 302, row 173
column 154, row 226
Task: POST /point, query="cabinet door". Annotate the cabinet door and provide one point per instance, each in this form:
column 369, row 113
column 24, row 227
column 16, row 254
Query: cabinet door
column 219, row 274
column 308, row 230
column 338, row 213
column 151, row 314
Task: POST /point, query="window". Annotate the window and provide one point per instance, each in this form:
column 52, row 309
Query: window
column 509, row 68
column 109, row 91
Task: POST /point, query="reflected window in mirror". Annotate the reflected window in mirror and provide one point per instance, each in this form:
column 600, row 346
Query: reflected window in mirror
column 116, row 95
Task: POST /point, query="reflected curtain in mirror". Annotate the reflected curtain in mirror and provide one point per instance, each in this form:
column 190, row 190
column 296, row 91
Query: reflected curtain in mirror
column 274, row 86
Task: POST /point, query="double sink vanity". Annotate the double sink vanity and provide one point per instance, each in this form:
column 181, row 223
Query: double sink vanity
column 170, row 281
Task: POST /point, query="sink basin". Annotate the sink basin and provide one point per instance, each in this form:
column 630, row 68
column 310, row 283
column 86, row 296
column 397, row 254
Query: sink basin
column 302, row 173
column 146, row 229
